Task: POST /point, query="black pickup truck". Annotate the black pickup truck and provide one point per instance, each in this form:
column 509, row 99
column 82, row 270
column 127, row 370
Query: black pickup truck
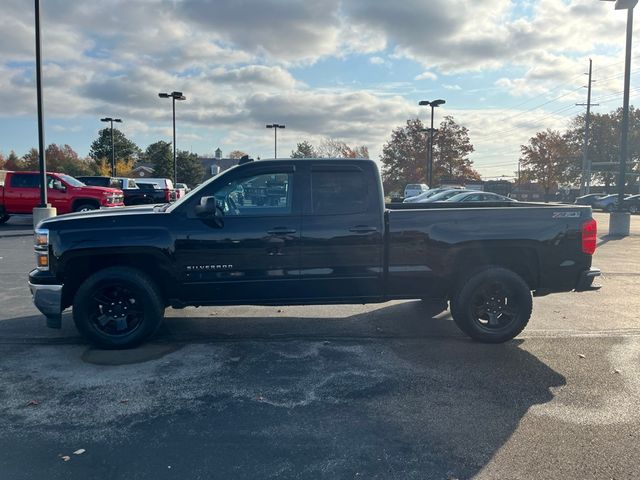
column 326, row 238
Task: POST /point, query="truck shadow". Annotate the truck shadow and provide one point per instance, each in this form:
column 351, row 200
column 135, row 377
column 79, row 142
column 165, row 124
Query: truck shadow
column 396, row 392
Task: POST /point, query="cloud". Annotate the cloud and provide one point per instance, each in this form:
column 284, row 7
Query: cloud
column 426, row 76
column 451, row 87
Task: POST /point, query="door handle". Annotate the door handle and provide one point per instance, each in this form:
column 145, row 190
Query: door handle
column 363, row 229
column 281, row 231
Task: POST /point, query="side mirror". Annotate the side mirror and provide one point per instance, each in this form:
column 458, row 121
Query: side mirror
column 209, row 208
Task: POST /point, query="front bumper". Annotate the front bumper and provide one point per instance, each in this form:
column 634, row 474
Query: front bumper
column 586, row 279
column 48, row 299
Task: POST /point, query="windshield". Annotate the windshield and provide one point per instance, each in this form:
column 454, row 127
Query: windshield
column 74, row 182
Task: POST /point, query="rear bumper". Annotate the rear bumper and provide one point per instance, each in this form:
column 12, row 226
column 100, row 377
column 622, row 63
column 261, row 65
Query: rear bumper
column 48, row 299
column 586, row 279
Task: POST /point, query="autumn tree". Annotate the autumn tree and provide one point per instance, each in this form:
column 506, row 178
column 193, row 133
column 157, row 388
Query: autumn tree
column 451, row 149
column 547, row 159
column 190, row 169
column 2, row 161
column 124, row 148
column 404, row 157
column 237, row 154
column 334, row 148
column 63, row 159
column 13, row 162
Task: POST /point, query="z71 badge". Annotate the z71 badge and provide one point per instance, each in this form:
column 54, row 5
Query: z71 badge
column 566, row 214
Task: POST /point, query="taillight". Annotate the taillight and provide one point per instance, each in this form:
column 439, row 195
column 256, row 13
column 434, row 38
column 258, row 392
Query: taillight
column 167, row 195
column 589, row 236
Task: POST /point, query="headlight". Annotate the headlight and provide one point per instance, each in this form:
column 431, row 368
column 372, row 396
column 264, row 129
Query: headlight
column 41, row 238
column 41, row 245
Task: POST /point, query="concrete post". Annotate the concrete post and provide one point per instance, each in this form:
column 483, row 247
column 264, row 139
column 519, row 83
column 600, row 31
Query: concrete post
column 42, row 213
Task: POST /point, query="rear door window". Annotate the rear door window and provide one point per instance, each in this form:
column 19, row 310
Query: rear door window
column 24, row 180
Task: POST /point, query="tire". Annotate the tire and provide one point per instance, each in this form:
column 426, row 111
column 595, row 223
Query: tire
column 85, row 207
column 4, row 218
column 633, row 209
column 609, row 208
column 493, row 305
column 117, row 308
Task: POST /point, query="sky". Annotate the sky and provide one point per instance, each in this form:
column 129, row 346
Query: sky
column 347, row 69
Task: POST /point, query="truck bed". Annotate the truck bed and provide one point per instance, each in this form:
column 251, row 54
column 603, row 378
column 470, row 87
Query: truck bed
column 542, row 242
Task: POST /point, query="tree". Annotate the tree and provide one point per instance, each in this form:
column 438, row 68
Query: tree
column 304, row 150
column 100, row 150
column 123, row 168
column 451, row 149
column 64, row 159
column 160, row 156
column 404, row 157
column 13, row 162
column 2, row 161
column 334, row 148
column 237, row 154
column 190, row 169
column 30, row 161
column 546, row 159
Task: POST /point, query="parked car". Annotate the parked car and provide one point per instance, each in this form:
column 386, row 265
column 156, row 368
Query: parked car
column 608, row 203
column 589, row 199
column 428, row 193
column 184, row 187
column 162, row 187
column 21, row 193
column 479, row 197
column 326, row 239
column 133, row 195
column 444, row 195
column 415, row 189
column 632, row 204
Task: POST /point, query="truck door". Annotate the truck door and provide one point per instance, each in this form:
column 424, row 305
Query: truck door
column 342, row 234
column 255, row 254
column 23, row 194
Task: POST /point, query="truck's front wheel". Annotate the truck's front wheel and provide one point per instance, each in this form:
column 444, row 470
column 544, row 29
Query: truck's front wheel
column 118, row 307
column 493, row 306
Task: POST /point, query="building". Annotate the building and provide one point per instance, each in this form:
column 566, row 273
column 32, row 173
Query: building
column 217, row 164
column 142, row 171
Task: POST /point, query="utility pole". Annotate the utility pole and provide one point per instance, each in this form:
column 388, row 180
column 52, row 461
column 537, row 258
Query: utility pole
column 585, row 183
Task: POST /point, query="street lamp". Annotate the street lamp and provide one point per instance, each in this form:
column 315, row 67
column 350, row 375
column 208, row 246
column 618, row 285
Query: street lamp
column 275, row 127
column 174, row 96
column 620, row 220
column 433, row 104
column 113, row 148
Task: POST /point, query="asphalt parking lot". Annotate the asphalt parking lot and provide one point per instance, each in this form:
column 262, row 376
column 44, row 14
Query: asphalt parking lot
column 376, row 391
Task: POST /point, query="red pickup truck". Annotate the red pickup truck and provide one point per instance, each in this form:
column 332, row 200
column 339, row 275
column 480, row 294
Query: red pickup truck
column 21, row 193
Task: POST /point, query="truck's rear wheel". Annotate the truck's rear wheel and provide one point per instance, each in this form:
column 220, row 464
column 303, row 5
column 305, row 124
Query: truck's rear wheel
column 4, row 218
column 493, row 306
column 118, row 307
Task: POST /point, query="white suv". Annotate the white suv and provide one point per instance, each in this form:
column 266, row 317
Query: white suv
column 415, row 189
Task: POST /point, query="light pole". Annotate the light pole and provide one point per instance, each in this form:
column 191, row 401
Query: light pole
column 113, row 148
column 433, row 104
column 174, row 96
column 619, row 221
column 275, row 127
column 43, row 210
